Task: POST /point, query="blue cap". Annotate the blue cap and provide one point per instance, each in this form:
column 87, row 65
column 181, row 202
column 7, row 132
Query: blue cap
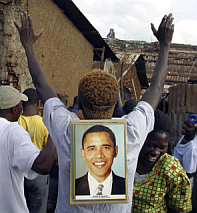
column 193, row 119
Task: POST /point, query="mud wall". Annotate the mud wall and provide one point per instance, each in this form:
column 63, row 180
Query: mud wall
column 62, row 50
column 13, row 64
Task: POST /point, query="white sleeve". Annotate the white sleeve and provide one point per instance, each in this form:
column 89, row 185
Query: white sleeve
column 24, row 152
column 190, row 160
column 140, row 122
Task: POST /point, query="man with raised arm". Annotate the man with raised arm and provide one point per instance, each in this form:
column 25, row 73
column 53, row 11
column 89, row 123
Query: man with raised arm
column 98, row 95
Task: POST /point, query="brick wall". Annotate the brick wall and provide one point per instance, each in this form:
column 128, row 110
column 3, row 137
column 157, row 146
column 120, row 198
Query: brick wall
column 127, row 82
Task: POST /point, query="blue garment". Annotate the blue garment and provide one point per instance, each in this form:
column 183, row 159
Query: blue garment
column 53, row 192
column 73, row 109
column 36, row 193
column 118, row 112
column 53, row 187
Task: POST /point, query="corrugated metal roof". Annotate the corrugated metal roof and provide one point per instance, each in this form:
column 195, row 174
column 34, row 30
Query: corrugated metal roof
column 175, row 73
column 178, row 70
column 128, row 61
column 127, row 58
column 86, row 28
column 181, row 60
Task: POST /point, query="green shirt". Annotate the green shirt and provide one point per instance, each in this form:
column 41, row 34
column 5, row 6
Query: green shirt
column 166, row 185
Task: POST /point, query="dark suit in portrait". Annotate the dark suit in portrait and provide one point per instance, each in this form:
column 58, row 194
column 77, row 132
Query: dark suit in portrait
column 82, row 187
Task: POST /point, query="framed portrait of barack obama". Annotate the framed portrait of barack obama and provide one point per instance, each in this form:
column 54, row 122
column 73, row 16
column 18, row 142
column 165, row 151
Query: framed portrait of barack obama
column 98, row 166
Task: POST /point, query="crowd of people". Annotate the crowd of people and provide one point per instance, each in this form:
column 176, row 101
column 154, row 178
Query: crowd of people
column 157, row 181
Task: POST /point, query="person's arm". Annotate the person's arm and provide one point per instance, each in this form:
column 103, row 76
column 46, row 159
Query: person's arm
column 28, row 37
column 164, row 36
column 45, row 159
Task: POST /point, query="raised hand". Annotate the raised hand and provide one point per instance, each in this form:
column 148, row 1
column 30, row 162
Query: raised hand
column 26, row 31
column 28, row 38
column 165, row 31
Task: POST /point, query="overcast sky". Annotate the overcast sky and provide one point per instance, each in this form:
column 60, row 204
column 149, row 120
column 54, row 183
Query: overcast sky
column 131, row 19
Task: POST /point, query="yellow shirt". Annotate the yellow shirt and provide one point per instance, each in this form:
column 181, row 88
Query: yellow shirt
column 36, row 129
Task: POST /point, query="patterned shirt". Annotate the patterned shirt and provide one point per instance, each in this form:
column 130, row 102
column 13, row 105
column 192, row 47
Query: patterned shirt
column 167, row 185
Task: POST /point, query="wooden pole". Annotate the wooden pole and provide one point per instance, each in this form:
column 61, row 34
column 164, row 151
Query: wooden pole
column 102, row 58
column 121, row 84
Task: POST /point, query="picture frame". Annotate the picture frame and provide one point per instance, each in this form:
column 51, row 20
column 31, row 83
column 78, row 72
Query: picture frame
column 95, row 158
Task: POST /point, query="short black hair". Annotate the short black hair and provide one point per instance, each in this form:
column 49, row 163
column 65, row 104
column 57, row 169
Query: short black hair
column 76, row 100
column 163, row 122
column 32, row 95
column 99, row 128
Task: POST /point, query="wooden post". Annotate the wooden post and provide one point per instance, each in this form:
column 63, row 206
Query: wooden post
column 97, row 51
column 121, row 84
column 102, row 58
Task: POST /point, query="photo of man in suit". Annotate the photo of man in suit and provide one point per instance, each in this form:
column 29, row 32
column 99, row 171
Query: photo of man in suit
column 99, row 150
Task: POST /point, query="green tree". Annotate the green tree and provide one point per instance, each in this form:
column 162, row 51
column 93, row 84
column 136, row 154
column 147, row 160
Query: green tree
column 111, row 33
